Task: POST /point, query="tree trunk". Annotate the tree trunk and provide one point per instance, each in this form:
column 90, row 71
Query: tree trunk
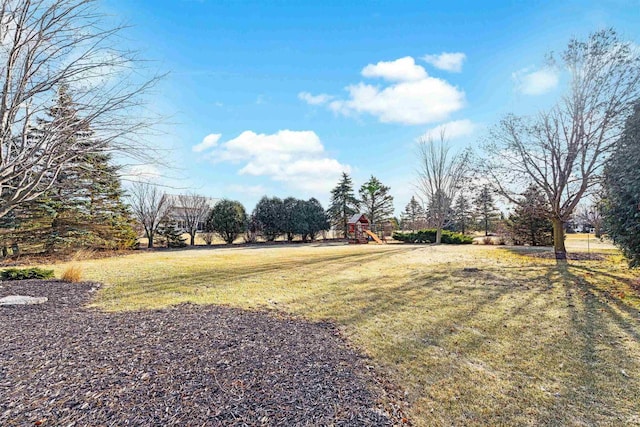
column 558, row 239
column 193, row 239
column 150, row 237
column 439, row 235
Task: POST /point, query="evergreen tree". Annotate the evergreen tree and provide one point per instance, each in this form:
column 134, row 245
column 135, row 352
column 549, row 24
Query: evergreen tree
column 84, row 207
column 486, row 209
column 530, row 222
column 343, row 204
column 413, row 215
column 173, row 237
column 622, row 190
column 269, row 212
column 462, row 213
column 290, row 220
column 376, row 201
column 228, row 219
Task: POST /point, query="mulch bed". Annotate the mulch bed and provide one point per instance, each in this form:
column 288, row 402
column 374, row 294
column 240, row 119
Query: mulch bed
column 63, row 364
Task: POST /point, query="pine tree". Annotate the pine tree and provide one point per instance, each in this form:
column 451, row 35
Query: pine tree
column 413, row 215
column 622, row 190
column 486, row 209
column 343, row 204
column 173, row 237
column 376, row 201
column 530, row 222
column 462, row 213
column 84, row 207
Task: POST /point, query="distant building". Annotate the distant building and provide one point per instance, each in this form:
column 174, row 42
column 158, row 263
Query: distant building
column 177, row 210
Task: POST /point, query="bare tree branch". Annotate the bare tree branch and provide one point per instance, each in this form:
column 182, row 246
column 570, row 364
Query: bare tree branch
column 46, row 45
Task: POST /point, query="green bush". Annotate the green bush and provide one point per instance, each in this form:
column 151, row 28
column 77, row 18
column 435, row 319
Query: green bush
column 25, row 273
column 429, row 236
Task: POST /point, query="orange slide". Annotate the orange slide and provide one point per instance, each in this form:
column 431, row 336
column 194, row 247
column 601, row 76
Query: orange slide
column 375, row 237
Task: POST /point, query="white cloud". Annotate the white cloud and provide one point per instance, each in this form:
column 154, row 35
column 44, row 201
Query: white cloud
column 536, row 82
column 416, row 102
column 310, row 99
column 412, row 97
column 295, row 158
column 452, row 130
column 208, row 141
column 401, row 70
column 446, row 61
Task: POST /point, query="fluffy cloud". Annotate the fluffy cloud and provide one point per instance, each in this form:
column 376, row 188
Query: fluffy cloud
column 418, row 102
column 323, row 98
column 452, row 130
column 446, row 61
column 403, row 69
column 412, row 97
column 208, row 141
column 536, row 82
column 295, row 158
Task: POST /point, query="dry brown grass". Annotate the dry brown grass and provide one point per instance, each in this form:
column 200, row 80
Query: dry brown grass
column 519, row 341
column 72, row 273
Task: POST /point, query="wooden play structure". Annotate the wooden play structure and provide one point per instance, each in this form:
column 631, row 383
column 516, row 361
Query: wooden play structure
column 359, row 230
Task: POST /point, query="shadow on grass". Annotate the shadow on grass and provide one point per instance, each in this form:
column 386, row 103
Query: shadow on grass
column 469, row 318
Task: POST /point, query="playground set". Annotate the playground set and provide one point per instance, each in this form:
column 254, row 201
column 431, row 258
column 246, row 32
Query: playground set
column 359, row 230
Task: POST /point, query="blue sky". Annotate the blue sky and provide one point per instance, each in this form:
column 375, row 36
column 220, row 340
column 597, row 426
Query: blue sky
column 278, row 97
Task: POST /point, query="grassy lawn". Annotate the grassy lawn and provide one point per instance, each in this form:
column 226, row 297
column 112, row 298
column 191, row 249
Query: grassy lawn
column 520, row 341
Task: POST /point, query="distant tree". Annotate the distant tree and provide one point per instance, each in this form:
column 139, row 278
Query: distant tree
column 317, row 218
column 486, row 209
column 253, row 229
column 413, row 216
column 291, row 219
column 343, row 204
column 172, row 235
column 622, row 191
column 310, row 219
column 269, row 212
column 149, row 206
column 207, row 236
column 440, row 179
column 562, row 150
column 591, row 216
column 228, row 219
column 530, row 223
column 462, row 213
column 192, row 210
column 376, row 201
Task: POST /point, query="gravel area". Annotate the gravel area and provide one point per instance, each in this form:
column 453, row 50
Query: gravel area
column 63, row 364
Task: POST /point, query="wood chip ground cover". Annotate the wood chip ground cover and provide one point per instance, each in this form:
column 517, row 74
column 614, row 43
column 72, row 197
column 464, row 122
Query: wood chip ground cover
column 62, row 364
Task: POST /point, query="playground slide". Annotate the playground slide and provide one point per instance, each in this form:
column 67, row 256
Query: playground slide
column 375, row 237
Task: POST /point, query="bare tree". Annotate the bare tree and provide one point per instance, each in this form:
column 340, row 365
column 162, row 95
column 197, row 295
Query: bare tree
column 440, row 178
column 149, row 206
column 192, row 211
column 46, row 45
column 591, row 216
column 562, row 151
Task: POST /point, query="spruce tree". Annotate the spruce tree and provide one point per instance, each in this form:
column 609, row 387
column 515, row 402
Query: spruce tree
column 486, row 209
column 462, row 213
column 530, row 222
column 84, row 207
column 343, row 204
column 376, row 201
column 413, row 215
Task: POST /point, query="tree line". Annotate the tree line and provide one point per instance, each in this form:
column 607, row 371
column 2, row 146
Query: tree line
column 60, row 129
